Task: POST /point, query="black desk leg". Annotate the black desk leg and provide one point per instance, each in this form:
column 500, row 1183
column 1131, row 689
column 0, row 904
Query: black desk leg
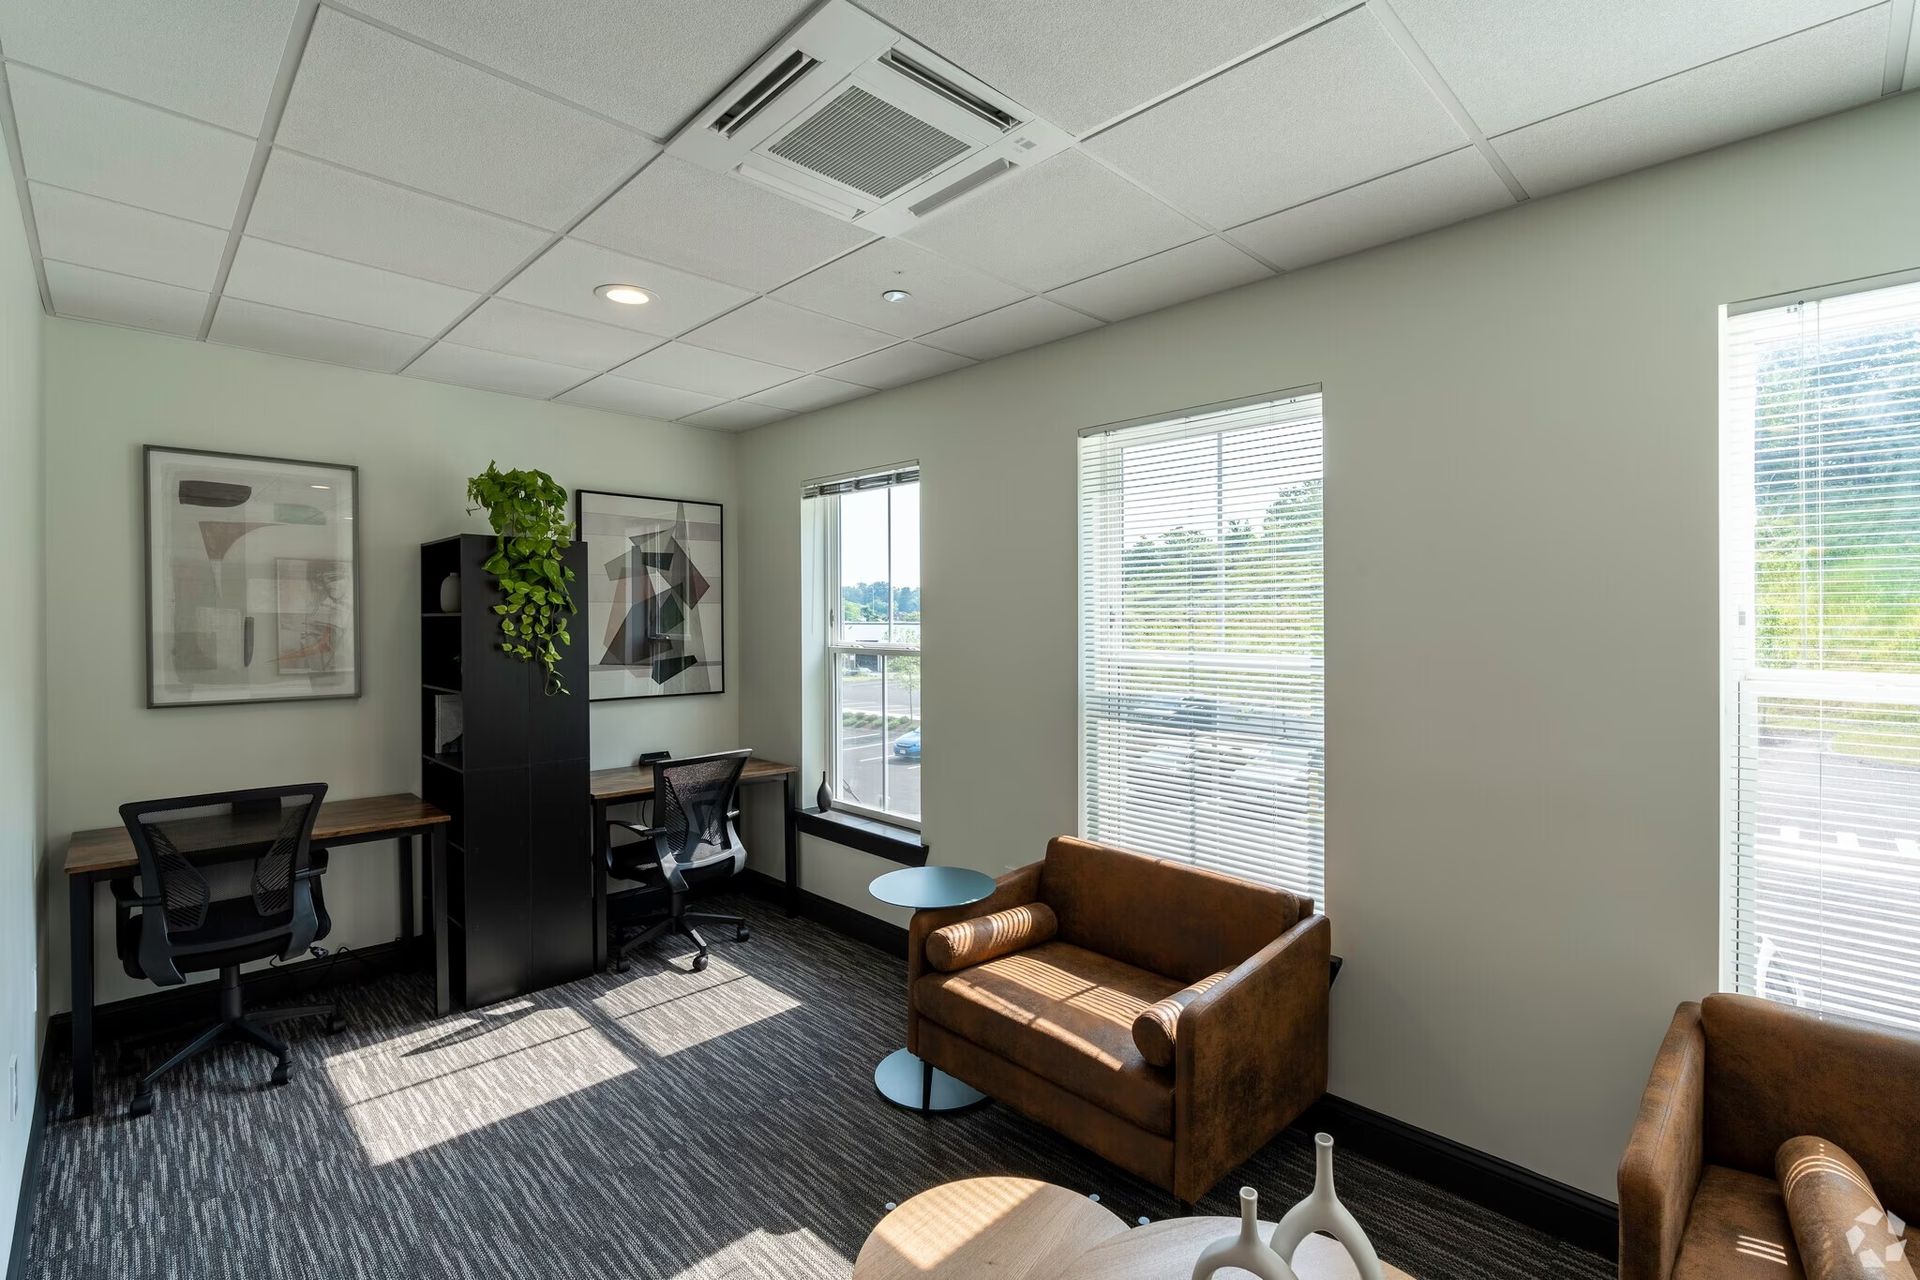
column 793, row 848
column 601, row 839
column 437, row 869
column 406, row 892
column 80, row 935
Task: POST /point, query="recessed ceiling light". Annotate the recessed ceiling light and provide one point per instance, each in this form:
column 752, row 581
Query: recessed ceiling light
column 628, row 295
column 319, row 486
column 896, row 295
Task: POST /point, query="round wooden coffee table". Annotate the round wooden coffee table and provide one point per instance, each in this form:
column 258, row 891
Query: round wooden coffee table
column 1019, row 1229
column 1007, row 1228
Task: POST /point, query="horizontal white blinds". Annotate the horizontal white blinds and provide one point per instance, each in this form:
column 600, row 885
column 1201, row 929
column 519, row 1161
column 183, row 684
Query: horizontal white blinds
column 1201, row 640
column 1822, row 549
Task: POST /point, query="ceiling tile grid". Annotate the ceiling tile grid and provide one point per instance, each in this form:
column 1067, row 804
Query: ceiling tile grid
column 437, row 189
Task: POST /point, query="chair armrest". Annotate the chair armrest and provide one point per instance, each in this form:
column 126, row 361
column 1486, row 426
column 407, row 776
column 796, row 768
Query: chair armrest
column 1016, row 888
column 1250, row 1054
column 1661, row 1168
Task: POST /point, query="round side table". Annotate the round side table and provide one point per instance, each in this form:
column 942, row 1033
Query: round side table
column 1008, row 1228
column 902, row 1078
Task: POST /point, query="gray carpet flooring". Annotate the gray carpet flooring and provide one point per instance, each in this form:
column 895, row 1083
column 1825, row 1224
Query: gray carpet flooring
column 656, row 1125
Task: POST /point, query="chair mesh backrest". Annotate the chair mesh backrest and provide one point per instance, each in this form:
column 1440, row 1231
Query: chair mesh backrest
column 183, row 889
column 273, row 870
column 182, row 885
column 692, row 801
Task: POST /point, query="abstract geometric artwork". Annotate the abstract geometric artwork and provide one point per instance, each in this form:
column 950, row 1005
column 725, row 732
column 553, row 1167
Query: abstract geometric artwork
column 654, row 623
column 253, row 584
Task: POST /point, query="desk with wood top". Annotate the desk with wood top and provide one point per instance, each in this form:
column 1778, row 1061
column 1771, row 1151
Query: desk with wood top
column 635, row 782
column 106, row 853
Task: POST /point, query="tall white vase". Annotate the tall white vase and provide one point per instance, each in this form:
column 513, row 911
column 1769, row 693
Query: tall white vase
column 1322, row 1211
column 1244, row 1251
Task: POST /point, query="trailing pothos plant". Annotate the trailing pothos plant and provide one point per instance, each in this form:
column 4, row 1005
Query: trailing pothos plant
column 528, row 512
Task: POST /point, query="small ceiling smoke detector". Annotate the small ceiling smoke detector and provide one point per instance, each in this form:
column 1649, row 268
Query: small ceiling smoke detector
column 896, row 295
column 627, row 295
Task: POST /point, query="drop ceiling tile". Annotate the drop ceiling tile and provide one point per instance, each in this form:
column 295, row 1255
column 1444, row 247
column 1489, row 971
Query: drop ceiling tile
column 1024, row 324
column 741, row 415
column 712, row 373
column 1062, row 220
column 1190, row 271
column 1080, row 64
column 515, row 329
column 815, row 391
column 1333, row 107
column 335, row 211
column 86, row 294
column 565, row 276
column 84, row 140
column 943, row 292
column 318, row 285
column 383, row 105
column 212, row 59
column 1830, row 68
column 624, row 395
column 1512, row 62
column 492, row 371
column 651, row 65
column 898, row 365
column 716, row 226
column 779, row 334
column 1453, row 187
column 239, row 323
column 118, row 237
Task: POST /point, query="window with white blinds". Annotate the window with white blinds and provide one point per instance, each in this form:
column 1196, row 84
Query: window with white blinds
column 1821, row 504
column 1200, row 639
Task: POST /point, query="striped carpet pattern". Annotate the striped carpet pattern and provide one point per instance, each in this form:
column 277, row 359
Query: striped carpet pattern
column 653, row 1125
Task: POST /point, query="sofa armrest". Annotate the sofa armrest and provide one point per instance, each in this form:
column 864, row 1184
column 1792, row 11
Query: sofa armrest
column 1661, row 1169
column 1250, row 1054
column 1016, row 888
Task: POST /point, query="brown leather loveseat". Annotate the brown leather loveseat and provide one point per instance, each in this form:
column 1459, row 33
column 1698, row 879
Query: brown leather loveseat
column 1735, row 1078
column 1168, row 1018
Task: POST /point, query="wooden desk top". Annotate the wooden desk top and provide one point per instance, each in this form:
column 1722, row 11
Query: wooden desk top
column 111, row 848
column 631, row 783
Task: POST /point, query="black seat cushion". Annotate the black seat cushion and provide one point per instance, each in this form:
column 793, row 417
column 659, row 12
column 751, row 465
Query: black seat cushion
column 226, row 918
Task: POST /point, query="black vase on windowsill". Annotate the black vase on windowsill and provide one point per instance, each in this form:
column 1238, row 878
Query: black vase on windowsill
column 824, row 798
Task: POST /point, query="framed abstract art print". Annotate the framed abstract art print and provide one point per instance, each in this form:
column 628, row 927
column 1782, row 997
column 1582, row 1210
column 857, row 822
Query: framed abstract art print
column 654, row 625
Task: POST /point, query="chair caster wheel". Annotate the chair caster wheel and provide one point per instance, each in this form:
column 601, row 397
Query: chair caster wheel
column 700, row 962
column 281, row 1075
column 142, row 1105
column 742, row 934
column 621, row 966
column 336, row 1024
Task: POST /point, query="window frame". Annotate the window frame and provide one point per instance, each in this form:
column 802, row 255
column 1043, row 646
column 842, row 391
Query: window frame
column 837, row 646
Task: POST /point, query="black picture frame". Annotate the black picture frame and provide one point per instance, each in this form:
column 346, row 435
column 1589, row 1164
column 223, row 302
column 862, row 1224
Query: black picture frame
column 154, row 685
column 579, row 533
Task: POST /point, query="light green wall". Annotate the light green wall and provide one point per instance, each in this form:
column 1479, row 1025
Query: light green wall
column 110, row 391
column 22, row 709
column 1522, row 645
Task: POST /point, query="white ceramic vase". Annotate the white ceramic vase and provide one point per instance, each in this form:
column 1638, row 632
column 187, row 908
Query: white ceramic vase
column 1244, row 1251
column 450, row 593
column 1322, row 1211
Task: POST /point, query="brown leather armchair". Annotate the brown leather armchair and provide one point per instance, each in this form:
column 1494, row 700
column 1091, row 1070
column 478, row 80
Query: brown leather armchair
column 1232, row 977
column 1735, row 1078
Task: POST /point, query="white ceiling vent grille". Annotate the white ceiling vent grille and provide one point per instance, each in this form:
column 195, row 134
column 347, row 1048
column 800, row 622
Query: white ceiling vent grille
column 851, row 117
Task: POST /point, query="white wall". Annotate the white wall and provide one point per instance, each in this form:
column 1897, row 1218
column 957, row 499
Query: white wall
column 1522, row 832
column 110, row 391
column 22, row 723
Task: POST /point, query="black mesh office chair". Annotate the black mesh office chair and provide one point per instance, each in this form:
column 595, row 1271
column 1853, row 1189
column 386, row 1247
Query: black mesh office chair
column 170, row 924
column 691, row 840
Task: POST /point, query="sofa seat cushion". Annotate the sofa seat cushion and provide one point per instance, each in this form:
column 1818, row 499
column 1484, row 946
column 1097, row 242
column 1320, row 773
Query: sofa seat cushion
column 1065, row 1014
column 1738, row 1230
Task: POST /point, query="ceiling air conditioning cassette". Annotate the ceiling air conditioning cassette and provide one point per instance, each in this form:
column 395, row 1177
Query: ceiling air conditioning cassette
column 849, row 116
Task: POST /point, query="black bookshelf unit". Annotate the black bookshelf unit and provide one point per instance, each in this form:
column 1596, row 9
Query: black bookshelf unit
column 510, row 762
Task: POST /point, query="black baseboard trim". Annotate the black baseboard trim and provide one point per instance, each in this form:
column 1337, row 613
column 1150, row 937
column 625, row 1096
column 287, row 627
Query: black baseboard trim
column 172, row 1009
column 1568, row 1213
column 30, row 1171
column 839, row 917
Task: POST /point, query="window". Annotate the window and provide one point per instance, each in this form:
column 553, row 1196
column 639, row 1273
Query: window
column 1200, row 639
column 1821, row 630
column 872, row 549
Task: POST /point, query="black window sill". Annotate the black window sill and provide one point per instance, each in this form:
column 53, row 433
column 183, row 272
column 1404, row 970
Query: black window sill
column 869, row 835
